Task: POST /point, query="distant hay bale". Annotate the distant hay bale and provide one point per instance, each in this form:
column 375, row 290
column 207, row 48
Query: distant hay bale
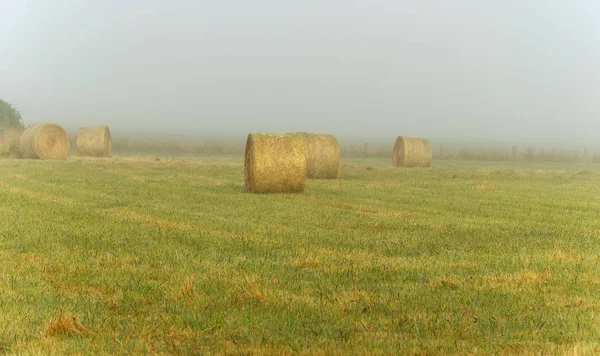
column 94, row 141
column 9, row 142
column 44, row 141
column 412, row 152
column 274, row 163
column 322, row 156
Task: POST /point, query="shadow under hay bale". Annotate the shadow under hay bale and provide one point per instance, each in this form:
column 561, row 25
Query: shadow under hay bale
column 322, row 155
column 412, row 152
column 94, row 141
column 274, row 163
column 44, row 141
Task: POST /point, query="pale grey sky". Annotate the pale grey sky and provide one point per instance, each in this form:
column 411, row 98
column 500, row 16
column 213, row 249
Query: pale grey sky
column 501, row 69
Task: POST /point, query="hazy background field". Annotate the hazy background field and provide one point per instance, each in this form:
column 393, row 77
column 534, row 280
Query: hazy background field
column 443, row 149
column 513, row 73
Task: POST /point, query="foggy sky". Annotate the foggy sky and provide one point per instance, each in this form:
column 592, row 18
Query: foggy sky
column 504, row 70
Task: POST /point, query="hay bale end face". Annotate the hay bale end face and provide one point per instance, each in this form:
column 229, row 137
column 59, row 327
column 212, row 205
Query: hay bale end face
column 412, row 152
column 322, row 156
column 94, row 141
column 44, row 141
column 274, row 163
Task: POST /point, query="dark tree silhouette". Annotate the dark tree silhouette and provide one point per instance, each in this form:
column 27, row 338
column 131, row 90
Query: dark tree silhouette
column 9, row 116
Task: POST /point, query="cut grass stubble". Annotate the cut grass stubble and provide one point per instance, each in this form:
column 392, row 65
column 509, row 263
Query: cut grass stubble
column 171, row 257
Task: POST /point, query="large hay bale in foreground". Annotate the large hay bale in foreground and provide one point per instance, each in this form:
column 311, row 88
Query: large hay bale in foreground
column 44, row 141
column 94, row 141
column 274, row 163
column 412, row 152
column 9, row 142
column 322, row 156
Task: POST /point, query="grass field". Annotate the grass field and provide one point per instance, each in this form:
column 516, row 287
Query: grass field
column 135, row 255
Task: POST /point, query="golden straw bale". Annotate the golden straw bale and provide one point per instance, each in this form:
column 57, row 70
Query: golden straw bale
column 94, row 141
column 44, row 141
column 9, row 142
column 274, row 163
column 322, row 156
column 412, row 152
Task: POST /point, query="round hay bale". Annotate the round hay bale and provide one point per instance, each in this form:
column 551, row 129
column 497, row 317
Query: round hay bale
column 44, row 141
column 274, row 163
column 94, row 141
column 9, row 142
column 412, row 152
column 322, row 156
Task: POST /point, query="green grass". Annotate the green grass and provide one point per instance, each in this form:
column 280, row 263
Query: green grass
column 172, row 256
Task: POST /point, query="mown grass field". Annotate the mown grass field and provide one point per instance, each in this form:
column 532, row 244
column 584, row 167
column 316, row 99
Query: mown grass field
column 172, row 256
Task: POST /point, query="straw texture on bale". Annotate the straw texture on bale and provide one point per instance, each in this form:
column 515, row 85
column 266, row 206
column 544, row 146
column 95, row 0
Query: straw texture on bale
column 412, row 152
column 94, row 141
column 322, row 156
column 274, row 163
column 44, row 141
column 9, row 144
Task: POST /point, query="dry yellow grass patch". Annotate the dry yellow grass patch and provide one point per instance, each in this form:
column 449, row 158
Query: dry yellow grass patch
column 485, row 187
column 334, row 260
column 177, row 336
column 38, row 195
column 56, row 274
column 521, row 173
column 354, row 300
column 357, row 208
column 149, row 220
column 307, row 297
column 560, row 300
column 544, row 173
column 364, row 210
column 261, row 349
column 308, row 262
column 65, row 324
column 249, row 291
column 188, row 290
column 31, row 259
column 549, row 348
column 583, row 349
column 400, row 214
column 358, row 259
column 519, row 280
column 444, row 283
column 576, row 303
column 485, row 171
column 22, row 177
column 564, row 256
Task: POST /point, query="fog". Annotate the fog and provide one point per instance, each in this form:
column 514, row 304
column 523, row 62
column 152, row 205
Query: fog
column 504, row 71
